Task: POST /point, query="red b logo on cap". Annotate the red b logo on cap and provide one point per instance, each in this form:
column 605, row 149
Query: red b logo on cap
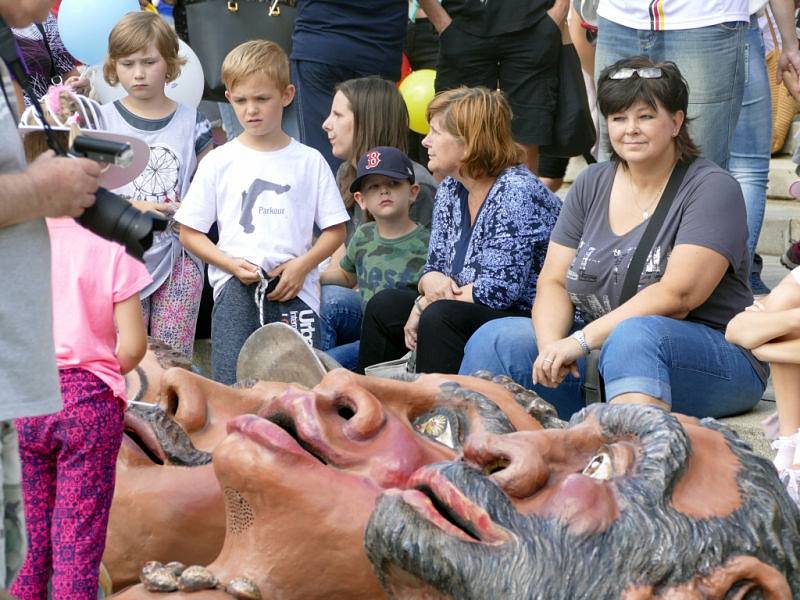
column 373, row 159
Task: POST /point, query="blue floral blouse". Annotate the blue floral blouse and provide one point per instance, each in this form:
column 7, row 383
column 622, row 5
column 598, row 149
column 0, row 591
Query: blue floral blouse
column 509, row 238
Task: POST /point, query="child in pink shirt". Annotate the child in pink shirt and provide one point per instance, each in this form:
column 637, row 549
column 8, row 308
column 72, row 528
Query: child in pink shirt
column 69, row 458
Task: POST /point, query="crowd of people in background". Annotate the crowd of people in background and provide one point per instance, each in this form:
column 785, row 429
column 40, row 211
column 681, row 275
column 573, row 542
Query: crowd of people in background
column 373, row 241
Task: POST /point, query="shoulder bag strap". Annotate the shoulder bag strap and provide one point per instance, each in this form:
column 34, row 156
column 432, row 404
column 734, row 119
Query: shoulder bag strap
column 53, row 68
column 631, row 284
column 593, row 387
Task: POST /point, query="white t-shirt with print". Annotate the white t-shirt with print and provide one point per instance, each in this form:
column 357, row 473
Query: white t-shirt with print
column 265, row 205
column 660, row 15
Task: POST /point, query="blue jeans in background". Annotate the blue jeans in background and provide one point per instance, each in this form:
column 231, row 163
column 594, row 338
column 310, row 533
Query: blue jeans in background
column 711, row 59
column 341, row 313
column 752, row 139
column 346, row 355
column 230, row 124
column 686, row 365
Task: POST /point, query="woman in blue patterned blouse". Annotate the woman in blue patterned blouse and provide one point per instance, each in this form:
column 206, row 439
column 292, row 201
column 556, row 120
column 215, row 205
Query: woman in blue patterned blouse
column 491, row 224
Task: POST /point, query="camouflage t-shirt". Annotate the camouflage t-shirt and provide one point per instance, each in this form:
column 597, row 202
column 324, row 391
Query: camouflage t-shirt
column 381, row 263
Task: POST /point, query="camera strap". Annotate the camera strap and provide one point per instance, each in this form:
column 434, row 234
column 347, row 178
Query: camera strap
column 10, row 56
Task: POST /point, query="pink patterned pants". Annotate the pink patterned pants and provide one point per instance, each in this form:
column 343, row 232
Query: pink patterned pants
column 170, row 313
column 68, row 469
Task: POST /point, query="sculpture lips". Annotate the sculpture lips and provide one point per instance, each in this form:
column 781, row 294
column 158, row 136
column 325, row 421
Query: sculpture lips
column 271, row 435
column 449, row 509
column 160, row 438
column 141, row 434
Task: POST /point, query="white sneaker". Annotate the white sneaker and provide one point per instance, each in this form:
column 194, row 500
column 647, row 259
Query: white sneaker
column 791, row 480
column 786, row 448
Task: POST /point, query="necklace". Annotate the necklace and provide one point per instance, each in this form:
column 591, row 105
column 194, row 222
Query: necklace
column 646, row 210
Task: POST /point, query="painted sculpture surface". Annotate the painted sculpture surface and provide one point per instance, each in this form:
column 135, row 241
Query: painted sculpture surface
column 298, row 472
column 627, row 502
column 167, row 502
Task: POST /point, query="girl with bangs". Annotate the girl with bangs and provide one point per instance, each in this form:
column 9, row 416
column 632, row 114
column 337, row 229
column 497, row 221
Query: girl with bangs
column 143, row 58
column 491, row 221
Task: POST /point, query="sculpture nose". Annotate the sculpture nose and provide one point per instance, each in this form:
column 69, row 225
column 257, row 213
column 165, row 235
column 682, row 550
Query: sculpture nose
column 517, row 462
column 182, row 397
column 360, row 413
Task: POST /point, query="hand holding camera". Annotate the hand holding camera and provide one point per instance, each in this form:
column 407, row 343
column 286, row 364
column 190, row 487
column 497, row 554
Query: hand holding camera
column 64, row 186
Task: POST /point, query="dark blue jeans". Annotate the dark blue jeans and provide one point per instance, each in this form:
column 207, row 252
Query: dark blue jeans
column 340, row 313
column 233, row 318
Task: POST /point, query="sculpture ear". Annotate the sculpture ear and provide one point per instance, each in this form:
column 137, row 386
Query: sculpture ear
column 745, row 574
column 734, row 580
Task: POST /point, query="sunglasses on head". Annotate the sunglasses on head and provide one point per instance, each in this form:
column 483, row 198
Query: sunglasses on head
column 644, row 73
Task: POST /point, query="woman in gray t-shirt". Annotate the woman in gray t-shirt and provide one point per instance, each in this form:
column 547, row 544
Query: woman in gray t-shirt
column 666, row 345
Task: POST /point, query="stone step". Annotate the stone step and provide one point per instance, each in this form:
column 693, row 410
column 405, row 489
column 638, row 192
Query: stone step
column 781, row 226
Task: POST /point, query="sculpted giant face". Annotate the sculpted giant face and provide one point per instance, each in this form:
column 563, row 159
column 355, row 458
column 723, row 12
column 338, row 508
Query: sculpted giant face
column 299, row 471
column 167, row 502
column 630, row 501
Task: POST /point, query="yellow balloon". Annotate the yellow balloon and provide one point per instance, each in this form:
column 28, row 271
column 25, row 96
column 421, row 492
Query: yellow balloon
column 417, row 91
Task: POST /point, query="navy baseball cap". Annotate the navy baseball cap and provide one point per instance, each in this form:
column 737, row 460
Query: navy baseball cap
column 383, row 160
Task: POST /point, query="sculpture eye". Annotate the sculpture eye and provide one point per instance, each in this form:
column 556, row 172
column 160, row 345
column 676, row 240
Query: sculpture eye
column 600, row 467
column 438, row 428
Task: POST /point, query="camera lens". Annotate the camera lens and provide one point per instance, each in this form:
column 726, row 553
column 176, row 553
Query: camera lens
column 117, row 220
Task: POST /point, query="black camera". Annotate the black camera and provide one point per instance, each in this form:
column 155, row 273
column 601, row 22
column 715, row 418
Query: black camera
column 112, row 217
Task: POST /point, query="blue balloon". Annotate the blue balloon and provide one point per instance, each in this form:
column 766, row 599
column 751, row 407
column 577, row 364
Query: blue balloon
column 84, row 26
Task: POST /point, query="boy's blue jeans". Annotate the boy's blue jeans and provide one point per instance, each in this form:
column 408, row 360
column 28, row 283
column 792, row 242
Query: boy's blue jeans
column 233, row 318
column 341, row 313
column 686, row 365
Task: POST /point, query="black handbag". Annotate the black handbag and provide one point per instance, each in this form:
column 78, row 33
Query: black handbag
column 593, row 388
column 215, row 27
column 573, row 129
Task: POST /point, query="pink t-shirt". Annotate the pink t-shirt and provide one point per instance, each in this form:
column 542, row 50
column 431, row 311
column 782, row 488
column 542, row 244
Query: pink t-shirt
column 89, row 276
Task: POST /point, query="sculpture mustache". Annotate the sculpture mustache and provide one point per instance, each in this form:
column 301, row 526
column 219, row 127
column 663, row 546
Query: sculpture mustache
column 173, row 441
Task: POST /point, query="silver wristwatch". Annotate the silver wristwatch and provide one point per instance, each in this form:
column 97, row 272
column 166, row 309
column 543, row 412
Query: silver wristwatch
column 581, row 339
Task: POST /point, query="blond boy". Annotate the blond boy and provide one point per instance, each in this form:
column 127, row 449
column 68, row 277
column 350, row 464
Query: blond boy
column 266, row 192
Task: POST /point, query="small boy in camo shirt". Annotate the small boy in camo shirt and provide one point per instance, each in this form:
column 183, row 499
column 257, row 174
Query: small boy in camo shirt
column 390, row 250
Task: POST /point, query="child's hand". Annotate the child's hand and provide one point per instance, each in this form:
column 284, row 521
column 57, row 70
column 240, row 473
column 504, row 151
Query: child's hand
column 293, row 274
column 79, row 84
column 411, row 328
column 245, row 271
column 154, row 207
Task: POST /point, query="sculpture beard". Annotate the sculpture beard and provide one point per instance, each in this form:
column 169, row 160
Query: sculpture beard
column 465, row 538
